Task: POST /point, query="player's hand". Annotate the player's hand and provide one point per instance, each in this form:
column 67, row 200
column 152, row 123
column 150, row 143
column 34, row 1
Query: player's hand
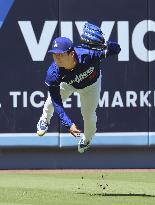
column 74, row 131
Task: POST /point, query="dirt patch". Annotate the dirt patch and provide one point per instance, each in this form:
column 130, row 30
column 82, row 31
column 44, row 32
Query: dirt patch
column 31, row 171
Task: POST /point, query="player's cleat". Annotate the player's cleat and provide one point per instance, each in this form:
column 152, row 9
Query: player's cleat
column 83, row 145
column 42, row 126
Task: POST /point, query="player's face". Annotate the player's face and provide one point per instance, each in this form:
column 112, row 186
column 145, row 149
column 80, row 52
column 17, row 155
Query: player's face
column 66, row 60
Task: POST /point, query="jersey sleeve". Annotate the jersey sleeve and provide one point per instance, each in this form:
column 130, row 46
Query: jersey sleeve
column 58, row 106
column 53, row 82
column 52, row 76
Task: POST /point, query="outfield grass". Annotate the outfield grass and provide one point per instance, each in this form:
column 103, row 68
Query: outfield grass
column 134, row 188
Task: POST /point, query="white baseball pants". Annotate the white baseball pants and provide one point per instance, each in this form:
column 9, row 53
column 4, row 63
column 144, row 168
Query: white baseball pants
column 89, row 98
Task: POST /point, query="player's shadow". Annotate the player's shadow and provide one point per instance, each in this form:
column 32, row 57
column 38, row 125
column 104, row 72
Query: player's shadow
column 112, row 194
column 130, row 194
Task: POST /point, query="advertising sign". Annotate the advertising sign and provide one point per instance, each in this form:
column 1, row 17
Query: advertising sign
column 27, row 28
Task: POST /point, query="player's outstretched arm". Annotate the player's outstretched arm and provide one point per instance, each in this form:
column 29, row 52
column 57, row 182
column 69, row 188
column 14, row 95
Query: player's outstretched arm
column 58, row 106
column 113, row 48
column 74, row 131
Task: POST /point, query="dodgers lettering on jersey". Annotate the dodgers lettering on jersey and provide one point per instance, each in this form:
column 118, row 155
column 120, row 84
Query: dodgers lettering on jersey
column 85, row 73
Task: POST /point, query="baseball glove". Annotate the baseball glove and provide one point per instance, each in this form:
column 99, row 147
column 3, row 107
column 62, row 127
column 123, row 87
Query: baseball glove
column 92, row 37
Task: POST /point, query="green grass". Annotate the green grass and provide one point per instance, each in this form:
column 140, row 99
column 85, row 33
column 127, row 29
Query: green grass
column 134, row 188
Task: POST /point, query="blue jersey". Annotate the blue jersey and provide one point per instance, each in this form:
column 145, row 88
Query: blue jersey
column 85, row 73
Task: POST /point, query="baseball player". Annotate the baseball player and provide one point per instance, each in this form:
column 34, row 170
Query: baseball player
column 76, row 69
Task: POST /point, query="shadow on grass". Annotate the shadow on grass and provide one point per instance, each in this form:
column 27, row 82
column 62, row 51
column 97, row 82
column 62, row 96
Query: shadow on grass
column 111, row 194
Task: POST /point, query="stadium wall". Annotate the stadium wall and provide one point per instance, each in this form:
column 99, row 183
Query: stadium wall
column 126, row 110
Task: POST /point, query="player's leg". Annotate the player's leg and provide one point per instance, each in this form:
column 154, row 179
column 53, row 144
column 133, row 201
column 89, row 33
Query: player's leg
column 89, row 98
column 44, row 121
column 48, row 109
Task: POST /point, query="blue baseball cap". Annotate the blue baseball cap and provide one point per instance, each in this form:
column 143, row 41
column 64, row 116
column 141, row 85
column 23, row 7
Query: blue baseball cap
column 61, row 45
